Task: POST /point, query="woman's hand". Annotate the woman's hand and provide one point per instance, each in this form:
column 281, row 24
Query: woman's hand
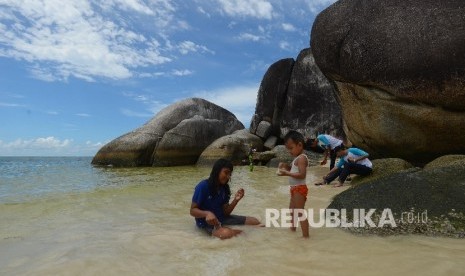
column 239, row 194
column 323, row 162
column 211, row 219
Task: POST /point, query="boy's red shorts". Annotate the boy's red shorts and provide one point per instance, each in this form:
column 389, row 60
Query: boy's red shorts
column 301, row 189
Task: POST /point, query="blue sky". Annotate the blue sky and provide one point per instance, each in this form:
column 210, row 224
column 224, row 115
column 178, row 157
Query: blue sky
column 76, row 74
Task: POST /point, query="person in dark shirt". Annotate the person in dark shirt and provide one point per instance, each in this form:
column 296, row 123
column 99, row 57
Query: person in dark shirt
column 211, row 204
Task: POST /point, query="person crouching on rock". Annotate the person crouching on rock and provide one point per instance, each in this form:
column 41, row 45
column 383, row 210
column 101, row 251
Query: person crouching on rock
column 210, row 203
column 352, row 161
column 330, row 144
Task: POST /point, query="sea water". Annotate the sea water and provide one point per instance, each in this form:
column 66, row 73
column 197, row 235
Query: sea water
column 61, row 216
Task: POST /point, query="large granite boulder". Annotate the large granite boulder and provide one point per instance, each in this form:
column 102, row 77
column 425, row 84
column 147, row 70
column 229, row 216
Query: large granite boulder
column 311, row 107
column 234, row 147
column 271, row 95
column 399, row 70
column 429, row 201
column 177, row 135
column 297, row 96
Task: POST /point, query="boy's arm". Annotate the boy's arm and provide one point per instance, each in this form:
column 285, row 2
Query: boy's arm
column 360, row 158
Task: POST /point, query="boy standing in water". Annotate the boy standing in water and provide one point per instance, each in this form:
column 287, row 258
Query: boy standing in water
column 297, row 172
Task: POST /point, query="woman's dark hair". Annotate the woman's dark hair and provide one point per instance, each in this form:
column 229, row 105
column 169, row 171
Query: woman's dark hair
column 213, row 181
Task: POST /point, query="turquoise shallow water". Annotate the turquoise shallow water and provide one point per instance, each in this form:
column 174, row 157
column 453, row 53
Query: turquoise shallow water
column 61, row 216
column 24, row 179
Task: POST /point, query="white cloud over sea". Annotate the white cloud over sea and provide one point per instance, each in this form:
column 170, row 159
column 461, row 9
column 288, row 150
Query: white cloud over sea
column 50, row 145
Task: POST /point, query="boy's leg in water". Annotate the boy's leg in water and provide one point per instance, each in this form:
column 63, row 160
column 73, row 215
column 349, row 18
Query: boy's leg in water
column 291, row 207
column 299, row 203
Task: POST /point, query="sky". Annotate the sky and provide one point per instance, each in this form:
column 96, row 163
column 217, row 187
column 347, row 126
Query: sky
column 76, row 74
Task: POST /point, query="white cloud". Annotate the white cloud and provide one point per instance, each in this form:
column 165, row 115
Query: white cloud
column 135, row 5
column 172, row 73
column 285, row 45
column 132, row 113
column 38, row 143
column 71, row 38
column 240, row 100
column 83, row 115
column 257, row 66
column 186, row 47
column 249, row 37
column 202, row 11
column 260, row 9
column 288, row 27
column 181, row 73
column 48, row 146
column 151, row 105
column 11, row 105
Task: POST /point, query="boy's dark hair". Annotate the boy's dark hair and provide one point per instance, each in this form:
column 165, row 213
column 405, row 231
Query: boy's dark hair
column 294, row 136
column 213, row 183
column 309, row 146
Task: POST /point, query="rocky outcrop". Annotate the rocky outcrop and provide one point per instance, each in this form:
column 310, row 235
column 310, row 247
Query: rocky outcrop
column 399, row 70
column 446, row 160
column 429, row 201
column 297, row 96
column 383, row 168
column 177, row 135
column 281, row 155
column 234, row 147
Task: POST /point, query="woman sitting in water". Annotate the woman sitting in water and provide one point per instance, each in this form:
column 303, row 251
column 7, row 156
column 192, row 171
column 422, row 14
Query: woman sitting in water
column 210, row 203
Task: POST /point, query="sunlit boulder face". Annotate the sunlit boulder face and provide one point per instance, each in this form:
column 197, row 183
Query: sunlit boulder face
column 399, row 70
column 235, row 147
column 176, row 136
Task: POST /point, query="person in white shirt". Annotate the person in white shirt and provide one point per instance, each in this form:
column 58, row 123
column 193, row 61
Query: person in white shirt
column 352, row 161
column 331, row 145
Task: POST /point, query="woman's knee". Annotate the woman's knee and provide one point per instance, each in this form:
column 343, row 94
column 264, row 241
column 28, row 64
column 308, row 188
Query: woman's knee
column 225, row 233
